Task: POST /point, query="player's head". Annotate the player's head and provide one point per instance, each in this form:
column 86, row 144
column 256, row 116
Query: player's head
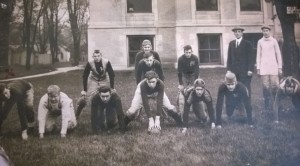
column 291, row 85
column 148, row 59
column 188, row 51
column 105, row 93
column 4, row 92
column 230, row 81
column 53, row 92
column 199, row 86
column 151, row 78
column 146, row 46
column 97, row 55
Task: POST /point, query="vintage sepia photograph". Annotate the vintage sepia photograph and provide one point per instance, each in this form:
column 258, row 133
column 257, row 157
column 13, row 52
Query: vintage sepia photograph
column 149, row 82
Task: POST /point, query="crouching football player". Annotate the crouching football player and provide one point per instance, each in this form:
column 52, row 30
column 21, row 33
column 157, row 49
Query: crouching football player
column 289, row 86
column 52, row 105
column 107, row 111
column 236, row 94
column 148, row 93
column 20, row 92
column 200, row 99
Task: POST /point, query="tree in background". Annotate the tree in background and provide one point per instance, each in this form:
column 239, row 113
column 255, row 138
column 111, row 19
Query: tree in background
column 33, row 11
column 54, row 14
column 290, row 50
column 6, row 9
column 77, row 10
column 42, row 36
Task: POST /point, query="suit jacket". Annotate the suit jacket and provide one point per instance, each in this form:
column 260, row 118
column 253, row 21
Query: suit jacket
column 241, row 58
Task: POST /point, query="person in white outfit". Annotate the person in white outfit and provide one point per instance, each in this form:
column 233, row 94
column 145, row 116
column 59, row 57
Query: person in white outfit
column 52, row 105
column 269, row 65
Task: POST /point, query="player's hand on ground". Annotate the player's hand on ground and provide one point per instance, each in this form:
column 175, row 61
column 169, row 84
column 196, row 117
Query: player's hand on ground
column 249, row 73
column 83, row 93
column 213, row 125
column 157, row 123
column 151, row 124
column 184, row 130
column 180, row 87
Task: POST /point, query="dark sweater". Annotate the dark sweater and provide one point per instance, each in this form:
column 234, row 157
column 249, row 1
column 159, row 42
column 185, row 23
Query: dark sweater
column 234, row 98
column 143, row 68
column 140, row 55
column 99, row 68
column 192, row 98
column 156, row 93
column 113, row 103
column 188, row 66
column 17, row 94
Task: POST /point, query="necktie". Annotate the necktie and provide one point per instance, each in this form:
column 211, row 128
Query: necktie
column 237, row 43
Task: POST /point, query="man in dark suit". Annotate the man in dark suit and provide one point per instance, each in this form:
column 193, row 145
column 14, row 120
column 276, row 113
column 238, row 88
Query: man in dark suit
column 240, row 58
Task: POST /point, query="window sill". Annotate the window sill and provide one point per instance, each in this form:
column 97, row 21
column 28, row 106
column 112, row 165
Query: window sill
column 251, row 12
column 139, row 14
column 207, row 12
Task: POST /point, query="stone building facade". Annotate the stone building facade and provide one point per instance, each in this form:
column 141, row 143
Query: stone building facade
column 117, row 28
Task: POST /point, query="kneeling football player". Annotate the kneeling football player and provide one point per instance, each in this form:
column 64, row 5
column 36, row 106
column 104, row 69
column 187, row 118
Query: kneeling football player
column 150, row 94
column 55, row 104
column 236, row 94
column 20, row 92
column 107, row 111
column 200, row 100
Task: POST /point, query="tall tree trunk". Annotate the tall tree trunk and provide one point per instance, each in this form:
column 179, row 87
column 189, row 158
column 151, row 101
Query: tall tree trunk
column 76, row 39
column 290, row 51
column 76, row 17
column 51, row 36
column 6, row 8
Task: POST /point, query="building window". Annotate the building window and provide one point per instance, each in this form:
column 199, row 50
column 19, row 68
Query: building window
column 250, row 5
column 209, row 48
column 135, row 45
column 253, row 38
column 207, row 5
column 139, row 6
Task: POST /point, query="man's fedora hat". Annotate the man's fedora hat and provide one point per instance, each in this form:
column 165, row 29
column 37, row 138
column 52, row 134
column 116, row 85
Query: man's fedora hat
column 238, row 28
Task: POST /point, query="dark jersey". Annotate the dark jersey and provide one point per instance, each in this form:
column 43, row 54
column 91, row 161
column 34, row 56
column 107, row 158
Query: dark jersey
column 99, row 68
column 188, row 66
column 143, row 68
column 140, row 55
column 192, row 97
column 114, row 102
column 233, row 98
column 156, row 93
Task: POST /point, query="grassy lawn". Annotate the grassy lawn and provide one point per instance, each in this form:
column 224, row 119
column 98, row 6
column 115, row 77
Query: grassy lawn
column 235, row 144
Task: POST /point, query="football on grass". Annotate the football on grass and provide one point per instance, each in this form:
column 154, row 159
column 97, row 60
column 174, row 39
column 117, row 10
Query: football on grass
column 154, row 131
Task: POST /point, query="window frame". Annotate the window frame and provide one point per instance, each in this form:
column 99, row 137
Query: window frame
column 219, row 61
column 132, row 53
column 247, row 10
column 131, row 9
column 206, row 10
